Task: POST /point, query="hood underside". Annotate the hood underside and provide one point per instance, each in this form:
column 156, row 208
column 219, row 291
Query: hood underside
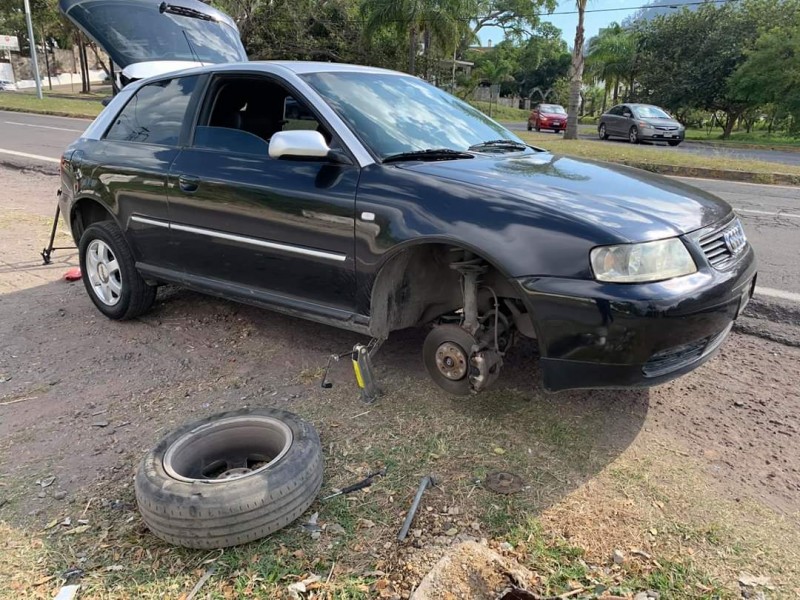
column 631, row 204
column 135, row 31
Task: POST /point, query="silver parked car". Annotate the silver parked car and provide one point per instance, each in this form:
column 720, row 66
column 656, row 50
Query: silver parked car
column 640, row 123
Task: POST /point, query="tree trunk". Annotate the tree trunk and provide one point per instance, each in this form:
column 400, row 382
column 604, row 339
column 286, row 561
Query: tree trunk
column 616, row 91
column 729, row 123
column 576, row 76
column 412, row 50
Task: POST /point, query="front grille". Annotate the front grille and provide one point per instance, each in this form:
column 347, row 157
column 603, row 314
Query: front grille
column 666, row 128
column 723, row 246
column 677, row 357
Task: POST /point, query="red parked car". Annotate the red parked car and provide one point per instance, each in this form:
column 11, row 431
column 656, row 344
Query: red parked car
column 548, row 116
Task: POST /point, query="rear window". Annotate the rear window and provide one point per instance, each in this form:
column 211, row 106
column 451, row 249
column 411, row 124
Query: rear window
column 155, row 113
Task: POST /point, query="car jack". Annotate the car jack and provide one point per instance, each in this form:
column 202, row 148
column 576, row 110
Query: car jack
column 361, row 358
column 46, row 252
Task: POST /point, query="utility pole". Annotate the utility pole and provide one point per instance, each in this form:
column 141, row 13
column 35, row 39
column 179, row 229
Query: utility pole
column 32, row 43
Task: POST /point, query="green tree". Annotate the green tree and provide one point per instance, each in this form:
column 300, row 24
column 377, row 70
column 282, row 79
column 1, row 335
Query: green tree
column 686, row 59
column 576, row 75
column 770, row 73
column 439, row 22
column 494, row 72
column 611, row 59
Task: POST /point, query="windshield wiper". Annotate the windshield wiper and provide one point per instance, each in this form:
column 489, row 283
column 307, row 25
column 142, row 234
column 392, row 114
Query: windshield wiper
column 183, row 11
column 429, row 154
column 499, row 144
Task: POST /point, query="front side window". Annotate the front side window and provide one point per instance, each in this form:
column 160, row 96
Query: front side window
column 243, row 114
column 394, row 114
column 155, row 114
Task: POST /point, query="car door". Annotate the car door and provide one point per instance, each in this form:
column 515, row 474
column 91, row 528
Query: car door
column 129, row 165
column 243, row 223
column 611, row 120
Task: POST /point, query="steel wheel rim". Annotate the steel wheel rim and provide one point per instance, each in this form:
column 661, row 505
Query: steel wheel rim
column 229, row 449
column 451, row 361
column 102, row 269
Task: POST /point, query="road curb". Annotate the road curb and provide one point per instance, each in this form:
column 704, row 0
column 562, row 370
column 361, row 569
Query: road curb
column 743, row 145
column 709, row 173
column 48, row 113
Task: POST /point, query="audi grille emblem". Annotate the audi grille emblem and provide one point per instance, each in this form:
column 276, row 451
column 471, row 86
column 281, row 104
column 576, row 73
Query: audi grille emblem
column 734, row 238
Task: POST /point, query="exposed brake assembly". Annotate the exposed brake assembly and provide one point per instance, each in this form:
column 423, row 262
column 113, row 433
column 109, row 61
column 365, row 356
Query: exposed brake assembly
column 361, row 359
column 466, row 356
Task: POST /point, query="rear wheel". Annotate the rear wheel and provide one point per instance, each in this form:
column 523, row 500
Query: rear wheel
column 446, row 353
column 601, row 132
column 633, row 135
column 109, row 273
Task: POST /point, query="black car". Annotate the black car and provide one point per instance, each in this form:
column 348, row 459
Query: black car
column 396, row 206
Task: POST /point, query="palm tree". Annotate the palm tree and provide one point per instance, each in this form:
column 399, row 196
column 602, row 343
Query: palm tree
column 495, row 72
column 576, row 76
column 438, row 21
column 611, row 58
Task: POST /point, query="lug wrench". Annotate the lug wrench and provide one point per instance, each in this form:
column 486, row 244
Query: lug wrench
column 428, row 480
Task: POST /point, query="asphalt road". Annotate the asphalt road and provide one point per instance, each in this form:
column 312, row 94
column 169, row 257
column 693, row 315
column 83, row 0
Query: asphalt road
column 771, row 214
column 588, row 132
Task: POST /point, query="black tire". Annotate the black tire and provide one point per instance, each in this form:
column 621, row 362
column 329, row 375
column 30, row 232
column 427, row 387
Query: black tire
column 208, row 512
column 461, row 339
column 537, row 125
column 633, row 135
column 674, row 143
column 529, row 126
column 135, row 296
column 601, row 132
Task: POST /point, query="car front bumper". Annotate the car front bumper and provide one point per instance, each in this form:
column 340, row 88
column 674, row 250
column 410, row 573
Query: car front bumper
column 657, row 135
column 600, row 335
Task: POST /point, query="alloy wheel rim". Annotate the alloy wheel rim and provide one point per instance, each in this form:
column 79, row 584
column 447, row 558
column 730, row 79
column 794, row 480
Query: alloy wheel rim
column 102, row 269
column 602, row 131
column 633, row 135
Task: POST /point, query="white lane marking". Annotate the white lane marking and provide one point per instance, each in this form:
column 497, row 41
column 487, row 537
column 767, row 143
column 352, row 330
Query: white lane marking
column 43, row 126
column 33, row 156
column 772, row 293
column 764, row 212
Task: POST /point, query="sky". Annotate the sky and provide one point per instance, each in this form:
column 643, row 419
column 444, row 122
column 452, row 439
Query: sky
column 593, row 21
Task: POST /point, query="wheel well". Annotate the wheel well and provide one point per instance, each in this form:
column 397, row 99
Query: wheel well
column 418, row 284
column 87, row 212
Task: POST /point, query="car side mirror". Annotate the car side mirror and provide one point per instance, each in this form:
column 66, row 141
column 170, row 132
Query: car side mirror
column 303, row 144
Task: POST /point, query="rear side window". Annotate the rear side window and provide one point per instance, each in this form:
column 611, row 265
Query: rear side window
column 155, row 114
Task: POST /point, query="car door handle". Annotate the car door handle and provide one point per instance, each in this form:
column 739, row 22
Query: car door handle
column 188, row 184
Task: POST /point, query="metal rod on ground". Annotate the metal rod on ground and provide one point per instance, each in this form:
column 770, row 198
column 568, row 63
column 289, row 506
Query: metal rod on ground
column 32, row 44
column 423, row 485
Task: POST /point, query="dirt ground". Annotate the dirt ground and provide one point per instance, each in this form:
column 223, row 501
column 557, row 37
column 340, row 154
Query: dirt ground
column 82, row 398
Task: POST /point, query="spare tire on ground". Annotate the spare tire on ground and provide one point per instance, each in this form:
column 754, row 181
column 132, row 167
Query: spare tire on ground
column 230, row 478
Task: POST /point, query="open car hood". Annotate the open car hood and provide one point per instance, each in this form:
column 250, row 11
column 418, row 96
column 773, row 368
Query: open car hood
column 136, row 31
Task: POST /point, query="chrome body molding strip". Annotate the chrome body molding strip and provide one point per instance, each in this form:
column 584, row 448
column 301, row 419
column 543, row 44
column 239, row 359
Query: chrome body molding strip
column 335, row 256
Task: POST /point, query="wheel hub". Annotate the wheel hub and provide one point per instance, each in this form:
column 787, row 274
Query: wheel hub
column 451, row 360
column 102, row 269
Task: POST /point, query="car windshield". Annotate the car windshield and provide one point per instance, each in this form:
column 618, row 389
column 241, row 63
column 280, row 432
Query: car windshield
column 552, row 108
column 395, row 114
column 651, row 112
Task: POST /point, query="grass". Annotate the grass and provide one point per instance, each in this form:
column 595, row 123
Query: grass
column 652, row 158
column 778, row 140
column 500, row 112
column 65, row 107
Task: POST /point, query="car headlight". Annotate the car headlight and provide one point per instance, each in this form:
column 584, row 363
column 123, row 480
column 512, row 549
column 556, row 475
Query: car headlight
column 638, row 263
